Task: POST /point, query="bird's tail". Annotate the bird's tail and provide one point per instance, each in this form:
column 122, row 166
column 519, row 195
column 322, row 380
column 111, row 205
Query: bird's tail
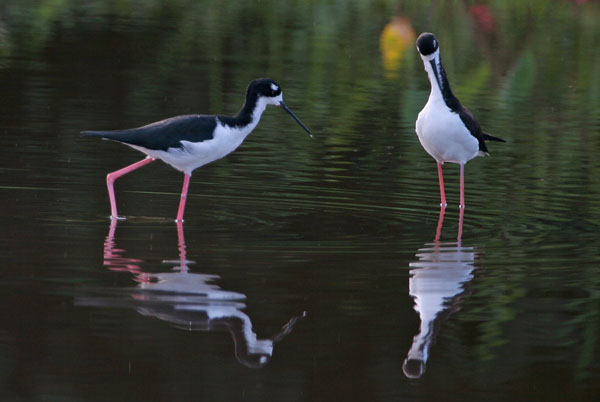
column 488, row 137
column 92, row 133
column 105, row 135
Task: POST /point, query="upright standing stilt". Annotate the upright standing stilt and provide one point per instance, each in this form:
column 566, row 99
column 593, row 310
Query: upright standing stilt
column 444, row 136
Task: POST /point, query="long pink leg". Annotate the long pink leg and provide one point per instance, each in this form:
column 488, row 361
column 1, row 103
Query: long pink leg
column 442, row 191
column 184, row 191
column 462, row 186
column 110, row 180
column 183, row 262
column 181, row 241
column 438, row 231
column 461, row 216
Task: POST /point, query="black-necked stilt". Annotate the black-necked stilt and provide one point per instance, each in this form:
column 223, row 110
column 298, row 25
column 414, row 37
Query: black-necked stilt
column 446, row 129
column 190, row 141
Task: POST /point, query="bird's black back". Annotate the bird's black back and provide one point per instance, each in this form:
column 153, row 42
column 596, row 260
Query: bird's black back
column 465, row 114
column 473, row 126
column 164, row 134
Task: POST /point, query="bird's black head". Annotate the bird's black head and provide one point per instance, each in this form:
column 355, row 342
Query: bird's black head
column 265, row 87
column 268, row 91
column 427, row 44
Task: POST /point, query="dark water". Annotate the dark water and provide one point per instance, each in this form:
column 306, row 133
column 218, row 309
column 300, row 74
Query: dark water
column 306, row 269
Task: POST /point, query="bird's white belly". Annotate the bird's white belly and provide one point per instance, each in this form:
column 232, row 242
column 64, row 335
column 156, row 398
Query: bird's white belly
column 194, row 155
column 444, row 136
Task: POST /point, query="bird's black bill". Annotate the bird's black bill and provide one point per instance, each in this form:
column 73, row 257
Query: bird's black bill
column 438, row 76
column 284, row 107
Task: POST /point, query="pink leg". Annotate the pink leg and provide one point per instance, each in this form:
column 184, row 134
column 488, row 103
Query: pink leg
column 461, row 216
column 442, row 191
column 184, row 190
column 183, row 262
column 438, row 231
column 109, row 243
column 462, row 186
column 181, row 241
column 113, row 258
column 110, row 180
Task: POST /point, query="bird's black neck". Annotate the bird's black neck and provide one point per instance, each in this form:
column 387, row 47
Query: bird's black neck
column 245, row 115
column 441, row 80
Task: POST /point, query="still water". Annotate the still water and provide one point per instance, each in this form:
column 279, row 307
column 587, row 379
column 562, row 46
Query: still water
column 306, row 269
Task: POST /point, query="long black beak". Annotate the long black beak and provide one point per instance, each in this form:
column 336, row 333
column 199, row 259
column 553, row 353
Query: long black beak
column 284, row 107
column 438, row 76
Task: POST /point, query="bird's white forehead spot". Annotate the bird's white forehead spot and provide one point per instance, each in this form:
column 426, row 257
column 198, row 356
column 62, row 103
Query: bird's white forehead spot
column 274, row 87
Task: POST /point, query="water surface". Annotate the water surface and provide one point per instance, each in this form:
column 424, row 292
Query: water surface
column 305, row 269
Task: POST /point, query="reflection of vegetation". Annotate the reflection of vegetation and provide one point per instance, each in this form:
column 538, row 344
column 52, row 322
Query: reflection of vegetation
column 396, row 37
column 534, row 81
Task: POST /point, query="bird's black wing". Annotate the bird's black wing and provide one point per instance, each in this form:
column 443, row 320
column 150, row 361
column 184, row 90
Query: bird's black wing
column 489, row 137
column 469, row 121
column 164, row 134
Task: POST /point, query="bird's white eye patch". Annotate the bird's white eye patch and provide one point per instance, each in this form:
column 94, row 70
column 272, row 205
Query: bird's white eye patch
column 274, row 87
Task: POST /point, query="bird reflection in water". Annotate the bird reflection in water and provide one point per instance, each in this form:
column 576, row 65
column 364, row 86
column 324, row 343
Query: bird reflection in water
column 188, row 300
column 437, row 283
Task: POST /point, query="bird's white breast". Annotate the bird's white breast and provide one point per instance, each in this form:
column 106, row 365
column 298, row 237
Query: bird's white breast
column 194, row 155
column 225, row 140
column 443, row 134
